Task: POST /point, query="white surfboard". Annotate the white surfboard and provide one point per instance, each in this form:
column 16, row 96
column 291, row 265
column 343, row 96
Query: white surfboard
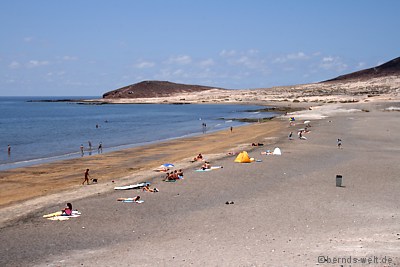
column 132, row 186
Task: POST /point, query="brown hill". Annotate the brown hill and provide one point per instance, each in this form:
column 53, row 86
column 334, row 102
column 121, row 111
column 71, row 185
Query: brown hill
column 151, row 89
column 390, row 68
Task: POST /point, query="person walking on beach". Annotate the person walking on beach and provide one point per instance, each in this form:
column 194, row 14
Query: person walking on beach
column 100, row 148
column 231, row 129
column 290, row 136
column 339, row 143
column 82, row 150
column 86, row 177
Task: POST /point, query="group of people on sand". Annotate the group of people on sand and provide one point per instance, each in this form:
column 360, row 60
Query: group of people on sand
column 174, row 175
column 206, row 165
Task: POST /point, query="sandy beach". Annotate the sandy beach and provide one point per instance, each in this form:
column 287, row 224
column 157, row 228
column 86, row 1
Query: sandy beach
column 286, row 211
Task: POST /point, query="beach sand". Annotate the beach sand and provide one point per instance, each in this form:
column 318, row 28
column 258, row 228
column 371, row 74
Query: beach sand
column 125, row 166
column 287, row 209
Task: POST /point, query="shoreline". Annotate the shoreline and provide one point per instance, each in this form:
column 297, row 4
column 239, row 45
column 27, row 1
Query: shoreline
column 28, row 155
column 41, row 184
column 287, row 209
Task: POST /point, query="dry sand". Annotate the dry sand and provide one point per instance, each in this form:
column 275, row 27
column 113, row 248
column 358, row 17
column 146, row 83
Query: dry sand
column 287, row 210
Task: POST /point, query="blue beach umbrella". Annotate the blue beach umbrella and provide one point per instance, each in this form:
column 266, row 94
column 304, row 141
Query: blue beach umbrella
column 168, row 165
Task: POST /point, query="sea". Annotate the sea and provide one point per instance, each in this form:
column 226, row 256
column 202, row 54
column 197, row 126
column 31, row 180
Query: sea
column 44, row 131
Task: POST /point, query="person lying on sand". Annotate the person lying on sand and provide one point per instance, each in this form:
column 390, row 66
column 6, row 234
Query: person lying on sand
column 137, row 198
column 267, row 153
column 258, row 144
column 300, row 134
column 161, row 169
column 67, row 211
column 206, row 165
column 148, row 189
column 199, row 157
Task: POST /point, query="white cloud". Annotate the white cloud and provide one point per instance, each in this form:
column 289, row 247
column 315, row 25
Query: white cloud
column 37, row 63
column 361, row 65
column 227, row 53
column 207, row 62
column 58, row 73
column 292, row 56
column 252, row 52
column 181, row 60
column 328, row 59
column 144, row 65
column 333, row 63
column 297, row 56
column 178, row 72
column 14, row 65
column 69, row 58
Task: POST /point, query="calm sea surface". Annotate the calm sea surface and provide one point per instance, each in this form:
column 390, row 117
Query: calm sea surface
column 40, row 132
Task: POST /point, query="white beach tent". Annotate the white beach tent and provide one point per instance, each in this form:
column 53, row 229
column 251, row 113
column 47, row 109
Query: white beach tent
column 277, row 151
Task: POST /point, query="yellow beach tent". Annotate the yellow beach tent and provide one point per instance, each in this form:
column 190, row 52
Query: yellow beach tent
column 243, row 157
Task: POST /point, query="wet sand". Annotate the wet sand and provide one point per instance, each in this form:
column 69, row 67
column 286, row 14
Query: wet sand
column 287, row 209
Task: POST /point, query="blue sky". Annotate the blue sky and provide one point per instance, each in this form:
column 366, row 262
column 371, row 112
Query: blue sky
column 86, row 48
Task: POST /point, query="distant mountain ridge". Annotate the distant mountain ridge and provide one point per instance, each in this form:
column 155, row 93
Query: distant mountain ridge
column 159, row 89
column 389, row 68
column 152, row 89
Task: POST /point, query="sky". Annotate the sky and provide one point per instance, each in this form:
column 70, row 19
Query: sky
column 89, row 47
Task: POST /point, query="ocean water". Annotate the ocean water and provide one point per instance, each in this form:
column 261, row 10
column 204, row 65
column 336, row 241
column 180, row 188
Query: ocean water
column 40, row 132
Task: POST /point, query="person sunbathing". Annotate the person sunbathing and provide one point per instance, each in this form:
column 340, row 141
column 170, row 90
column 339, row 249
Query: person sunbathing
column 67, row 211
column 199, row 157
column 180, row 174
column 257, row 144
column 167, row 176
column 171, row 176
column 206, row 165
column 174, row 175
column 148, row 189
column 135, row 199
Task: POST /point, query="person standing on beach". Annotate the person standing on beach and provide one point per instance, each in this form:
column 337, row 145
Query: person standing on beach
column 339, row 143
column 86, row 177
column 9, row 150
column 90, row 145
column 100, row 148
column 82, row 150
column 231, row 129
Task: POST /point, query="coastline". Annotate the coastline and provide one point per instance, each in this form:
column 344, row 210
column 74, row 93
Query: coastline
column 117, row 127
column 44, row 183
column 287, row 210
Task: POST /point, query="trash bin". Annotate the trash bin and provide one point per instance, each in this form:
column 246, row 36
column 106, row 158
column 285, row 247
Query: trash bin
column 338, row 180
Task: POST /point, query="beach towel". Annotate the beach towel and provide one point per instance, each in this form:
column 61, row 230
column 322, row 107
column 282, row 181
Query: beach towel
column 212, row 168
column 130, row 200
column 57, row 216
column 133, row 186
